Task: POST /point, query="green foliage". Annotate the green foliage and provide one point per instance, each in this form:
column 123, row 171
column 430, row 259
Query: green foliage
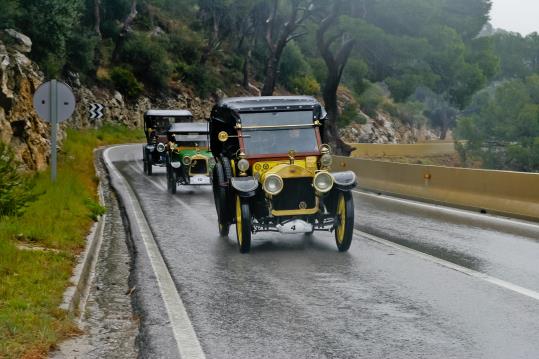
column 16, row 190
column 149, row 60
column 9, row 13
column 504, row 131
column 50, row 24
column 204, row 79
column 371, row 99
column 295, row 72
column 125, row 82
column 305, row 84
column 81, row 52
column 351, row 115
column 354, row 75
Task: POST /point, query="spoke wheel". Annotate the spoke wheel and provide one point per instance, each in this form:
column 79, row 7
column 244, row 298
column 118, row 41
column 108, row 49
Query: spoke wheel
column 243, row 224
column 345, row 221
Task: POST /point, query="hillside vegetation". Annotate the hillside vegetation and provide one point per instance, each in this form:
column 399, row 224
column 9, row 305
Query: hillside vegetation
column 430, row 58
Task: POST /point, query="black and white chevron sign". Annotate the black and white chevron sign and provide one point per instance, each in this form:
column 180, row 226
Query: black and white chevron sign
column 96, row 110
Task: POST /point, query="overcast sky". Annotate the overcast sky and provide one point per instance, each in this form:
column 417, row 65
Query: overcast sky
column 516, row 15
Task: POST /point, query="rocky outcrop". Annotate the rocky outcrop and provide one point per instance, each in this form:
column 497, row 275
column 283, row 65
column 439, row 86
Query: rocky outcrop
column 118, row 109
column 384, row 129
column 20, row 127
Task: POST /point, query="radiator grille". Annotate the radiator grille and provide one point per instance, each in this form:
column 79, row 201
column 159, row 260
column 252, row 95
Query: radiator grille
column 295, row 191
column 199, row 167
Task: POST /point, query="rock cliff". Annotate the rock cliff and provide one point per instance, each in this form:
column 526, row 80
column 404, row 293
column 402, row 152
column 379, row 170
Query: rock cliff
column 20, row 127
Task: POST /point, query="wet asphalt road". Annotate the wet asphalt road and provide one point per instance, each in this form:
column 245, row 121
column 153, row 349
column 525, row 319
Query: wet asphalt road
column 297, row 297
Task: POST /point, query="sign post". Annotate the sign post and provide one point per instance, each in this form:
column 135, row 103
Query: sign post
column 54, row 102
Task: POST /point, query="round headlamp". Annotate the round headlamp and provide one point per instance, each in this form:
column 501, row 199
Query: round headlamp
column 273, row 184
column 211, row 161
column 326, row 160
column 323, row 182
column 161, row 147
column 243, row 165
column 176, row 164
column 186, row 160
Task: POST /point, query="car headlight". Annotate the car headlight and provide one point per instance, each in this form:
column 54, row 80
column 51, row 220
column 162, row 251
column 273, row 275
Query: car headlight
column 161, row 147
column 273, row 184
column 243, row 165
column 186, row 160
column 326, row 160
column 323, row 182
column 176, row 164
column 211, row 161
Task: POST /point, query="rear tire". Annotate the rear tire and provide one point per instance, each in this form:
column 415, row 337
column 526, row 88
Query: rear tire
column 243, row 224
column 345, row 216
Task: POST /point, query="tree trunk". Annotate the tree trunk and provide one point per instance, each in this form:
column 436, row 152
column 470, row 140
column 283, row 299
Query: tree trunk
column 97, row 16
column 246, row 61
column 330, row 127
column 271, row 76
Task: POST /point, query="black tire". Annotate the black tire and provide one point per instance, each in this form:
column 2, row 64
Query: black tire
column 243, row 224
column 344, row 231
column 171, row 177
column 220, row 199
column 148, row 163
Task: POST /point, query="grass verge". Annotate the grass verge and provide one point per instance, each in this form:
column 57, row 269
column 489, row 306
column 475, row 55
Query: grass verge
column 32, row 282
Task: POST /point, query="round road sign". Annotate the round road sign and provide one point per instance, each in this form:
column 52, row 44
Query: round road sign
column 54, row 98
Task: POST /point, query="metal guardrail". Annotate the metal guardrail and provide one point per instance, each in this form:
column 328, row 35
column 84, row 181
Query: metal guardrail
column 514, row 194
column 398, row 150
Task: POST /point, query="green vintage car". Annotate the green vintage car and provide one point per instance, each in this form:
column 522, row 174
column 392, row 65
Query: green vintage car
column 188, row 159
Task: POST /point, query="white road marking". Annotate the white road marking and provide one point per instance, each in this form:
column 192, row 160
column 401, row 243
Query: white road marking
column 455, row 211
column 183, row 331
column 470, row 272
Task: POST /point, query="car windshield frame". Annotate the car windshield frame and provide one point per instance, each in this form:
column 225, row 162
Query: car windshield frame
column 199, row 138
column 270, row 134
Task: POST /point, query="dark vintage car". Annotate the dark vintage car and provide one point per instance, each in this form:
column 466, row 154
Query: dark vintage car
column 156, row 126
column 273, row 170
column 188, row 158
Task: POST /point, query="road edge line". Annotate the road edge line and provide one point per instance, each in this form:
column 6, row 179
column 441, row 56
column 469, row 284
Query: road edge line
column 469, row 272
column 184, row 334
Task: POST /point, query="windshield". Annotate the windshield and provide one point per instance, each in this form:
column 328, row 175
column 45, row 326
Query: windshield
column 279, row 139
column 191, row 139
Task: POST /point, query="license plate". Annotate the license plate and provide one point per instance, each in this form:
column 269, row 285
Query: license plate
column 200, row 180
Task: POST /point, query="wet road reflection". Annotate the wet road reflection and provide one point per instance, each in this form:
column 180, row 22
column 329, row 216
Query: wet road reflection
column 296, row 296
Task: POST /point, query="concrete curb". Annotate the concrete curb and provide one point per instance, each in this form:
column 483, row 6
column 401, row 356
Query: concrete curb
column 76, row 295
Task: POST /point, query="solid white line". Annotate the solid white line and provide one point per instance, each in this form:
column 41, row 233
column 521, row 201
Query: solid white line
column 454, row 211
column 183, row 331
column 470, row 272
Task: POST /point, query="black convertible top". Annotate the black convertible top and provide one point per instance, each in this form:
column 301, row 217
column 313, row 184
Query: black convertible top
column 229, row 109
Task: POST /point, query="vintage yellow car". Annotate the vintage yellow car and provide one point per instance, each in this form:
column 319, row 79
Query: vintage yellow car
column 272, row 170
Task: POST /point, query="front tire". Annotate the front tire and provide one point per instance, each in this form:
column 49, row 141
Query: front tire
column 345, row 217
column 147, row 163
column 220, row 198
column 243, row 224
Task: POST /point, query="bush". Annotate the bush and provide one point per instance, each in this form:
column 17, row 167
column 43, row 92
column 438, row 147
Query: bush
column 204, row 79
column 306, row 85
column 148, row 59
column 371, row 99
column 81, row 50
column 294, row 67
column 16, row 189
column 125, row 82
